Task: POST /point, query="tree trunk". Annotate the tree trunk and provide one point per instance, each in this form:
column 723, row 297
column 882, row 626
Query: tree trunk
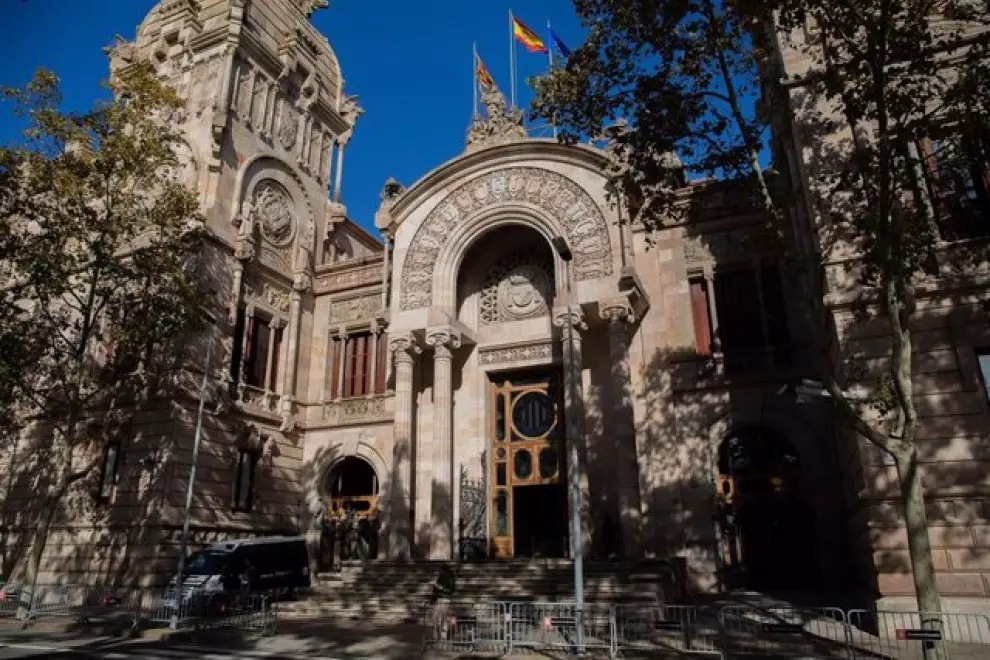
column 920, row 546
column 38, row 541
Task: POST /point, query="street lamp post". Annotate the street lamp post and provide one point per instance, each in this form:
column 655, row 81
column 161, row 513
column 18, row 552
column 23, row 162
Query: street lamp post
column 197, row 441
column 573, row 474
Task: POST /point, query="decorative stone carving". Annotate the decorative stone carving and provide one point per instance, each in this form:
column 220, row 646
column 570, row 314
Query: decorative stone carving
column 268, row 293
column 274, row 213
column 543, row 351
column 617, row 310
column 390, row 194
column 348, row 279
column 517, row 288
column 404, row 346
column 561, row 314
column 443, row 341
column 288, row 125
column 583, row 222
column 358, row 411
column 735, row 245
column 349, row 112
column 499, row 127
column 354, row 309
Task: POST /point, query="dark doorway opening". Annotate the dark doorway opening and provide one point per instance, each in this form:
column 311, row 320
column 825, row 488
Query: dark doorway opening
column 350, row 528
column 764, row 520
column 539, row 517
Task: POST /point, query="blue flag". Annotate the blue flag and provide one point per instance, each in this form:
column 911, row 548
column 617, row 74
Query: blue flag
column 561, row 47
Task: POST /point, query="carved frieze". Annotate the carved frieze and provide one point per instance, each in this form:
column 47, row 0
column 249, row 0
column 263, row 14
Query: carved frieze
column 354, row 309
column 540, row 352
column 735, row 245
column 359, row 411
column 270, row 294
column 583, row 222
column 347, row 279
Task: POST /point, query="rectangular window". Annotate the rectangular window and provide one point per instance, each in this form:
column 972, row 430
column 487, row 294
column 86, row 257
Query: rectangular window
column 701, row 316
column 110, row 471
column 752, row 317
column 354, row 356
column 256, row 351
column 957, row 171
column 244, row 480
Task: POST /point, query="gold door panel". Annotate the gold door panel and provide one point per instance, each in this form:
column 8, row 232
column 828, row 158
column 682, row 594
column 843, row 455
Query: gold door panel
column 526, row 446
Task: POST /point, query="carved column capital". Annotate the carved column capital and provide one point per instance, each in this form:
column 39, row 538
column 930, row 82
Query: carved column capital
column 617, row 311
column 443, row 341
column 561, row 314
column 405, row 348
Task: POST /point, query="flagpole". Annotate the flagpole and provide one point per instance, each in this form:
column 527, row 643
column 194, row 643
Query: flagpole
column 512, row 60
column 474, row 79
column 553, row 121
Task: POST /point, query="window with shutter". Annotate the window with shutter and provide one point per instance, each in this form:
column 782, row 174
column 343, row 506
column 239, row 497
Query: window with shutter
column 700, row 314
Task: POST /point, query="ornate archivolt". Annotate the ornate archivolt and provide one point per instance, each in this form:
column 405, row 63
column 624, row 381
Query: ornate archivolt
column 576, row 212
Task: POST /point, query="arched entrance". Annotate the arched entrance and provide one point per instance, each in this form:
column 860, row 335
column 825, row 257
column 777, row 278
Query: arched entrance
column 351, row 526
column 762, row 516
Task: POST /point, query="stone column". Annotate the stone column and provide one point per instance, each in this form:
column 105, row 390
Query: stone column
column 441, row 489
column 574, row 407
column 341, row 360
column 398, row 511
column 619, row 314
column 373, row 376
column 289, row 377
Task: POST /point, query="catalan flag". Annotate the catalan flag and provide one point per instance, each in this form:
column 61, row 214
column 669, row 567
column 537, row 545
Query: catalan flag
column 484, row 78
column 529, row 39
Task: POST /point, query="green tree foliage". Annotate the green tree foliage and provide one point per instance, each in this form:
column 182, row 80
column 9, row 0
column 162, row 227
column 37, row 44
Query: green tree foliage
column 703, row 79
column 99, row 238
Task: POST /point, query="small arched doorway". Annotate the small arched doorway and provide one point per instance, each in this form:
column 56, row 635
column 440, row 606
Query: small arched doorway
column 351, row 526
column 763, row 518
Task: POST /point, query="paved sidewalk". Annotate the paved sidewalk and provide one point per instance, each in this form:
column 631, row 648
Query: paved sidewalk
column 294, row 638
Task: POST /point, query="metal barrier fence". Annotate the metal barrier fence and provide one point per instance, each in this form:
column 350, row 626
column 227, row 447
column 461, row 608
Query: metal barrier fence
column 560, row 626
column 904, row 635
column 666, row 629
column 141, row 607
column 684, row 630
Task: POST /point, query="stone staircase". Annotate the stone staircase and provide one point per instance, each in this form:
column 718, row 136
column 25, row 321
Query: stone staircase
column 399, row 591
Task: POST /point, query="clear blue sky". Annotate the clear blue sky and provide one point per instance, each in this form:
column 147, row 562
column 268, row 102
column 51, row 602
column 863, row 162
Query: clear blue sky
column 409, row 62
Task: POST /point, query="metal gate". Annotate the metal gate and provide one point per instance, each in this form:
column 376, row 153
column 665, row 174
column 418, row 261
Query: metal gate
column 473, row 525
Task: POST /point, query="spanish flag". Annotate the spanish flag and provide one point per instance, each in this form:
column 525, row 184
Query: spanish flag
column 527, row 37
column 484, row 78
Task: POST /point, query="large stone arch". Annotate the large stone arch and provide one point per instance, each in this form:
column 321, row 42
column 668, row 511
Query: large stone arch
column 448, row 265
column 542, row 198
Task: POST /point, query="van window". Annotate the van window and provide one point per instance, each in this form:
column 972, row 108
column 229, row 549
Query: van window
column 206, row 562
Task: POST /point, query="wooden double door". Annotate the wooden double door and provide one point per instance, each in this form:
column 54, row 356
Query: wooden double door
column 528, row 512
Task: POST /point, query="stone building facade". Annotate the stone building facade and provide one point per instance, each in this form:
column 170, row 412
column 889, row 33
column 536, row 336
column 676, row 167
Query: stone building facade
column 434, row 382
